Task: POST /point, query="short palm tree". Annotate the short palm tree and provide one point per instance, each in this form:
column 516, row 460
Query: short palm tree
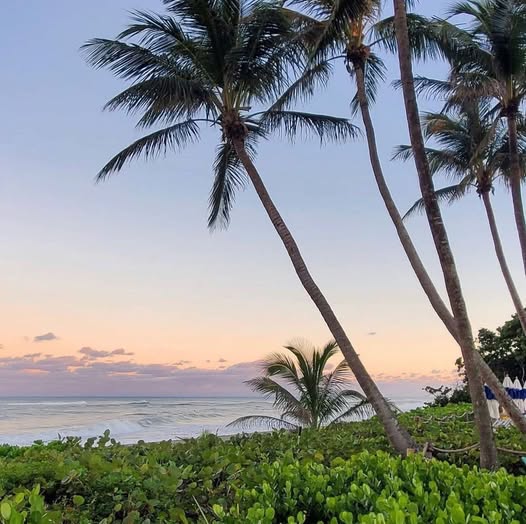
column 488, row 451
column 305, row 391
column 472, row 147
column 211, row 62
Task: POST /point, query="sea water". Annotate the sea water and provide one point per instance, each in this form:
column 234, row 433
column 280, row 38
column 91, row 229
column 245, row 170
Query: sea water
column 24, row 420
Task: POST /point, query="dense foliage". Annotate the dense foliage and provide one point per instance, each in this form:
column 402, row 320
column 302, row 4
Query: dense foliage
column 505, row 349
column 340, row 474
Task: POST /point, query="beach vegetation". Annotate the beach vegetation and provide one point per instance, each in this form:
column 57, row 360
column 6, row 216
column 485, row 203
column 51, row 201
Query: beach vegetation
column 338, row 474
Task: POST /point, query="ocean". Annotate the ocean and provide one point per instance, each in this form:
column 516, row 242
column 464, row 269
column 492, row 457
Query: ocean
column 24, row 420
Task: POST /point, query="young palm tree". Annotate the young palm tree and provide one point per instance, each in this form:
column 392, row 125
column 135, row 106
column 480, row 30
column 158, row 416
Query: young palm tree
column 488, row 58
column 210, row 62
column 488, row 451
column 315, row 396
column 473, row 148
column 333, row 35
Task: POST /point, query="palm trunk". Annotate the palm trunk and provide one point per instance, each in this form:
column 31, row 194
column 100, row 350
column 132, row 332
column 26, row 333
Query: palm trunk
column 488, row 451
column 416, row 263
column 515, row 184
column 521, row 314
column 414, row 259
column 398, row 436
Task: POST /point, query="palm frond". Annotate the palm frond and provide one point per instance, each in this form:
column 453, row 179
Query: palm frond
column 447, row 194
column 431, row 87
column 165, row 99
column 360, row 411
column 292, row 124
column 374, row 75
column 171, row 138
column 337, row 15
column 312, row 79
column 281, row 397
column 252, row 421
column 281, row 366
column 339, row 376
column 229, row 178
column 128, row 61
column 423, row 36
column 158, row 33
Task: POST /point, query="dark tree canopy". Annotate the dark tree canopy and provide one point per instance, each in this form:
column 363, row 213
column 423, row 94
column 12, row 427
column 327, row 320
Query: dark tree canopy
column 503, row 349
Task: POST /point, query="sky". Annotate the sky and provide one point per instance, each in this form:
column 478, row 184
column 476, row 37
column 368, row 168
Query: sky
column 119, row 288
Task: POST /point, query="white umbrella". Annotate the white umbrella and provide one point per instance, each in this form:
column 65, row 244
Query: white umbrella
column 517, row 392
column 508, row 385
column 493, row 403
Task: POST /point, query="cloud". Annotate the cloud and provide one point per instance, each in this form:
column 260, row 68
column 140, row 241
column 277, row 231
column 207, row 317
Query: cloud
column 47, row 337
column 222, row 360
column 122, row 351
column 371, row 333
column 94, row 371
column 33, row 355
column 180, row 363
column 91, row 371
column 93, row 354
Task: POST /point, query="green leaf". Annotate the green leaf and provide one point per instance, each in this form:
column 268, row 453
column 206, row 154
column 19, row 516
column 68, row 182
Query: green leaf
column 5, row 510
column 78, row 500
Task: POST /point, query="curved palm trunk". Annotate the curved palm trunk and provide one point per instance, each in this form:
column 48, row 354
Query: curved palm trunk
column 414, row 259
column 398, row 436
column 515, row 184
column 488, row 451
column 521, row 314
column 416, row 263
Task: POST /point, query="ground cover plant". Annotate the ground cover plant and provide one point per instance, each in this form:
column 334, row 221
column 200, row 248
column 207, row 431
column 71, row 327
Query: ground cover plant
column 340, row 474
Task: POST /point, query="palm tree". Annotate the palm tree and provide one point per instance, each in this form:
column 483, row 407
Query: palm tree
column 488, row 452
column 315, row 397
column 488, row 59
column 472, row 147
column 209, row 62
column 333, row 35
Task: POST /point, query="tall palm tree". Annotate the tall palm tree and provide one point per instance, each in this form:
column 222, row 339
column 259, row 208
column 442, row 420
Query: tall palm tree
column 305, row 391
column 488, row 58
column 473, row 148
column 209, row 62
column 334, row 35
column 488, row 451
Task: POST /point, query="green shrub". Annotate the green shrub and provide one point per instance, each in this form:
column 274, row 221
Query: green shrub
column 317, row 476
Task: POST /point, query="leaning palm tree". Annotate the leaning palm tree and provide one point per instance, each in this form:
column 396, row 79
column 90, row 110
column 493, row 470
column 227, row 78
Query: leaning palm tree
column 210, row 62
column 488, row 58
column 488, row 451
column 473, row 148
column 333, row 35
column 304, row 390
column 427, row 39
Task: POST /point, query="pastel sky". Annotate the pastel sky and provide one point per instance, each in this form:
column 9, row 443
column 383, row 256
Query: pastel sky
column 120, row 288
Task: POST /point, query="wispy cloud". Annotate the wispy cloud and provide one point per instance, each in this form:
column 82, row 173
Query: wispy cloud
column 93, row 354
column 122, row 351
column 47, row 337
